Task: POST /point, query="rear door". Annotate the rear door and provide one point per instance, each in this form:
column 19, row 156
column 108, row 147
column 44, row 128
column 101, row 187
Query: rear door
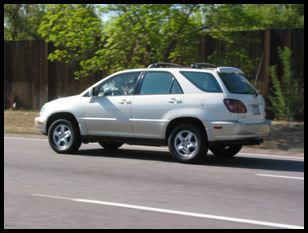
column 159, row 96
column 255, row 107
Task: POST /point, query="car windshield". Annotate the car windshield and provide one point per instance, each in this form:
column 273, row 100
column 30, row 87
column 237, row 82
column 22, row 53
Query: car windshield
column 237, row 84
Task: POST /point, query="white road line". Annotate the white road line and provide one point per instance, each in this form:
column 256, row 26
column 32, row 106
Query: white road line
column 284, row 177
column 169, row 211
column 31, row 139
column 273, row 156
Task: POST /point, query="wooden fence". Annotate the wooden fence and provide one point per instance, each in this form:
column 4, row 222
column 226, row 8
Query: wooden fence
column 30, row 79
column 25, row 73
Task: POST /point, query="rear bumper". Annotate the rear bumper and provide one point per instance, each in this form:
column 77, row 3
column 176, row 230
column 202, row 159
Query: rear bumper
column 249, row 133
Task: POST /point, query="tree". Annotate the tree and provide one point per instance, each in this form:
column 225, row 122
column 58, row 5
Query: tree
column 136, row 35
column 228, row 23
column 139, row 34
column 21, row 21
column 74, row 30
column 240, row 17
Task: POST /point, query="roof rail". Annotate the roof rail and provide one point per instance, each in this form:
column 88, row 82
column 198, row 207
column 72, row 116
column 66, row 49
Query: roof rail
column 201, row 65
column 164, row 64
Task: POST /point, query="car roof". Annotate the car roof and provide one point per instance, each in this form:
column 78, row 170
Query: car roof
column 165, row 69
column 222, row 69
column 199, row 67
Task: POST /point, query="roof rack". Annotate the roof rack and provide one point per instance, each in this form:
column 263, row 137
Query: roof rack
column 164, row 64
column 201, row 65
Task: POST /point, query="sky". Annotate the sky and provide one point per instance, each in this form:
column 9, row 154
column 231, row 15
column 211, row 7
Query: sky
column 104, row 17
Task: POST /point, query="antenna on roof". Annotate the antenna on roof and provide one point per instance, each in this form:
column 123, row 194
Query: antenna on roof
column 258, row 72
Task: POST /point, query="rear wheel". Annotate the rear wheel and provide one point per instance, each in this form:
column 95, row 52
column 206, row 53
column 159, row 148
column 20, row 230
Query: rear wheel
column 64, row 136
column 226, row 151
column 187, row 143
column 110, row 145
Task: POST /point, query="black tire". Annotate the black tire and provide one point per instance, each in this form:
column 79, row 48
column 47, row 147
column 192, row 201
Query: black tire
column 226, row 151
column 110, row 145
column 64, row 136
column 193, row 149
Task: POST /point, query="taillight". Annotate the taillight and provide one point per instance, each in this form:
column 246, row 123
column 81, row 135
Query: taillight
column 235, row 106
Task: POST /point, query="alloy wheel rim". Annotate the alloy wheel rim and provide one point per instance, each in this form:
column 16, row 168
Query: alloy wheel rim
column 186, row 144
column 62, row 136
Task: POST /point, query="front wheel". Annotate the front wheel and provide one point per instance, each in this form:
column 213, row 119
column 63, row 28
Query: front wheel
column 187, row 143
column 226, row 151
column 64, row 136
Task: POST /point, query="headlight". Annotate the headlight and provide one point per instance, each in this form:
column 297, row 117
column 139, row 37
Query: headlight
column 43, row 109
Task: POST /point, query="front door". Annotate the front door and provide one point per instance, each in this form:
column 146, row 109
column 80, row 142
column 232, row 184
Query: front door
column 108, row 113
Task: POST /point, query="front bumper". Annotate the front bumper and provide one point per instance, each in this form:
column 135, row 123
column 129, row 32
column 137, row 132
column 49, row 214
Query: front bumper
column 234, row 130
column 40, row 123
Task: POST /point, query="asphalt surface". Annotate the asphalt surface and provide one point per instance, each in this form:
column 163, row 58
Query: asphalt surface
column 142, row 187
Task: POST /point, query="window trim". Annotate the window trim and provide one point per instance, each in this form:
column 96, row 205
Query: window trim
column 173, row 81
column 140, row 82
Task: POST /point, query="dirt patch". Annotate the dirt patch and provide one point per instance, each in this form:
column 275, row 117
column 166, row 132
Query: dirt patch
column 285, row 136
column 20, row 122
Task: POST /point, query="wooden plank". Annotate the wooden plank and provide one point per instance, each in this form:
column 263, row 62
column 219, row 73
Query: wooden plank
column 266, row 64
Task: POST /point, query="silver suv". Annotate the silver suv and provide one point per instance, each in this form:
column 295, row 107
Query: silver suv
column 189, row 109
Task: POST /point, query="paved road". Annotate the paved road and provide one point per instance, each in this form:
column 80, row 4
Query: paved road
column 142, row 187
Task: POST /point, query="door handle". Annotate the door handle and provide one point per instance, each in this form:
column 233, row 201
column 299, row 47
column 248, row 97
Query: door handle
column 124, row 101
column 174, row 101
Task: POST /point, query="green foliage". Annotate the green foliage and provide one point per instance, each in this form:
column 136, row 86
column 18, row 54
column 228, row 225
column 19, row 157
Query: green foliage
column 224, row 20
column 278, row 106
column 139, row 34
column 135, row 35
column 75, row 31
column 287, row 98
column 21, row 21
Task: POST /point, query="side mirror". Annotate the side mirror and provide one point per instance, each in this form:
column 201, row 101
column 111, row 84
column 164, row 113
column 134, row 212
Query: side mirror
column 93, row 92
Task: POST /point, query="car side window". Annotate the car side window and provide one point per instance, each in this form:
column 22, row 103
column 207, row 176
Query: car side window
column 204, row 81
column 156, row 82
column 122, row 84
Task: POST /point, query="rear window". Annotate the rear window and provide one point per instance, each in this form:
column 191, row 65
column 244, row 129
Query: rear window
column 237, row 84
column 204, row 81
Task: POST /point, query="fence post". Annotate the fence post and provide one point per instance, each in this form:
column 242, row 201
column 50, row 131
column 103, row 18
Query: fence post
column 267, row 54
column 46, row 73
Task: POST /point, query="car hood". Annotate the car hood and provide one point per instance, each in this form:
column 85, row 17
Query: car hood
column 62, row 103
column 64, row 99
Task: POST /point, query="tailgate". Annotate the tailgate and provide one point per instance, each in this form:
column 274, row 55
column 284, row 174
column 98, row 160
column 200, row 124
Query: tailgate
column 255, row 106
